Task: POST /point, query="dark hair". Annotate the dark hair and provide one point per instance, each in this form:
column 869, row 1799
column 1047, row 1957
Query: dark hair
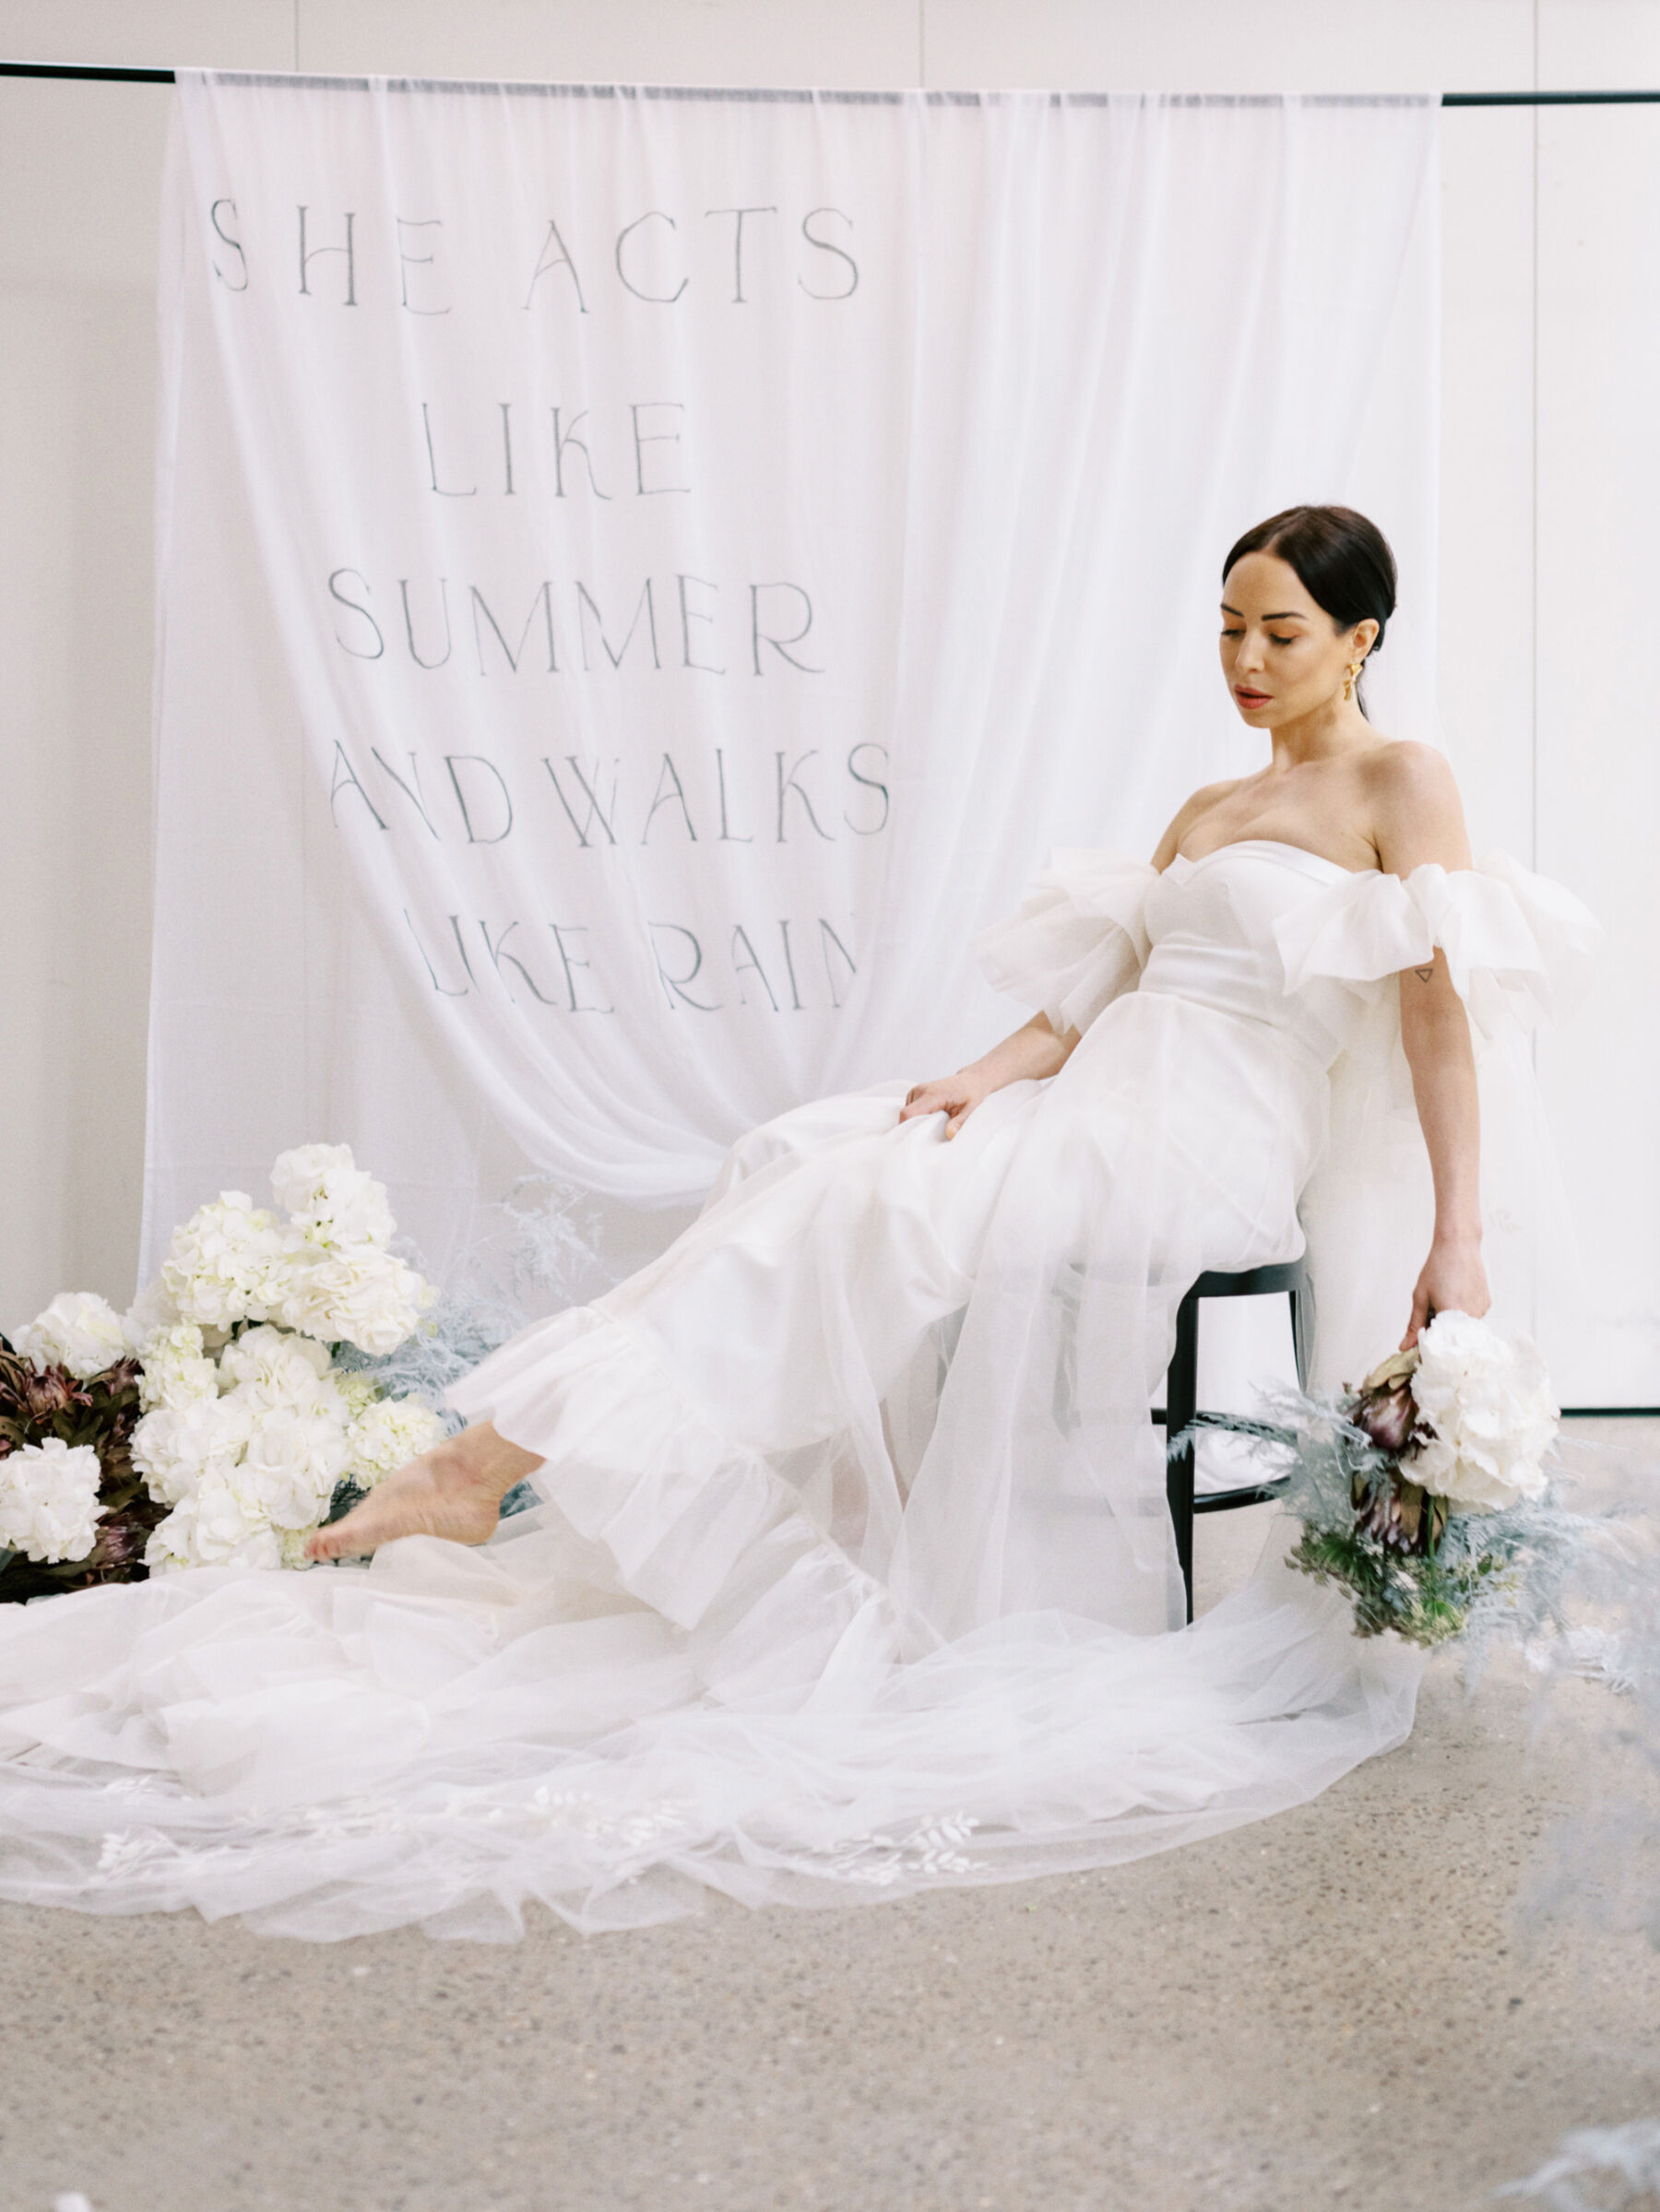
column 1342, row 560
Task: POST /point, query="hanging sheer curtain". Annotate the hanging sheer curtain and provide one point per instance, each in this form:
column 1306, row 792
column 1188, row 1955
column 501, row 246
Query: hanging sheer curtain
column 644, row 576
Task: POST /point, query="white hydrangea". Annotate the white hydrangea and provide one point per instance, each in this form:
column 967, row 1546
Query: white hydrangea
column 290, row 1467
column 49, row 1508
column 291, row 1543
column 274, row 1368
column 247, row 1451
column 359, row 1390
column 389, row 1436
column 1486, row 1394
column 230, row 1263
column 216, row 1525
column 362, row 1296
column 78, row 1331
column 151, row 1313
column 176, row 1448
column 331, row 1200
column 177, row 1371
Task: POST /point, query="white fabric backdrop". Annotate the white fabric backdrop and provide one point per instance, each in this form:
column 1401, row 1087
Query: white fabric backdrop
column 850, row 550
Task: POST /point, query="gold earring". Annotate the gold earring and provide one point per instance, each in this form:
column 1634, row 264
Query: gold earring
column 1348, row 686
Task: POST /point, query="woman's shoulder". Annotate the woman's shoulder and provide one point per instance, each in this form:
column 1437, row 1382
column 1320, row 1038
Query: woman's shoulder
column 1413, row 799
column 1409, row 772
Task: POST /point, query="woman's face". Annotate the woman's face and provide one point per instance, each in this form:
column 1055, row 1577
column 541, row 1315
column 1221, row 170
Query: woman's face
column 1282, row 654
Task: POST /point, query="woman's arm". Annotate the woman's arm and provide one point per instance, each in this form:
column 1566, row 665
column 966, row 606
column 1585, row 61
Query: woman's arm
column 1419, row 818
column 1032, row 1052
column 1436, row 1036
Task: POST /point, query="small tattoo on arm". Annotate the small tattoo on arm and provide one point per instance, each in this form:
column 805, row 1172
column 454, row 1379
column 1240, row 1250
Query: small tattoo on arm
column 1425, row 974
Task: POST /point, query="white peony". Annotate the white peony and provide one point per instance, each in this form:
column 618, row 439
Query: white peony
column 177, row 1371
column 215, row 1526
column 1487, row 1395
column 389, row 1436
column 332, row 1201
column 78, row 1331
column 175, row 1448
column 49, row 1508
column 363, row 1296
column 228, row 1263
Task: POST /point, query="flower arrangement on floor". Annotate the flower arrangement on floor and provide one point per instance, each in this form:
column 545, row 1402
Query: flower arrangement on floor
column 234, row 1410
column 1424, row 1494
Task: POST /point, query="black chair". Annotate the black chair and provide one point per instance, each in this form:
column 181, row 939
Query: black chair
column 1181, row 1386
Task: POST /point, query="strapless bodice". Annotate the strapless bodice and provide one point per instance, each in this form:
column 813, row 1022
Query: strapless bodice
column 1210, row 926
column 1274, row 935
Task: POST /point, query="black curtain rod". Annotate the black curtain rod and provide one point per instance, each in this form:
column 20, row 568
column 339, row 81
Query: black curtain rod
column 85, row 73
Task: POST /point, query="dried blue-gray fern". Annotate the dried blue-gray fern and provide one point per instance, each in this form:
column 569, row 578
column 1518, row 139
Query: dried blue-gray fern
column 1628, row 2157
column 542, row 1251
column 1600, row 1863
column 1410, row 1565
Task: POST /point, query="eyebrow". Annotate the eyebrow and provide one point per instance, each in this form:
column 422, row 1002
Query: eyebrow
column 1291, row 614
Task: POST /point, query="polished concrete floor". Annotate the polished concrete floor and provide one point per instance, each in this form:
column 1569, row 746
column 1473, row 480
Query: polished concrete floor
column 1338, row 2007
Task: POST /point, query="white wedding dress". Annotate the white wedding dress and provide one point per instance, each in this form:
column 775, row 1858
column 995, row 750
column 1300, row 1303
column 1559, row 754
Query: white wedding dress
column 853, row 1572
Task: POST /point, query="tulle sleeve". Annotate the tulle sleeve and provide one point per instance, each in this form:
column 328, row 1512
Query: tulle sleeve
column 1519, row 949
column 1079, row 939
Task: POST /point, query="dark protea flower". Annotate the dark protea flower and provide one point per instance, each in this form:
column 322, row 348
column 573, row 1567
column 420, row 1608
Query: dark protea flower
column 43, row 1392
column 1384, row 1406
column 1398, row 1514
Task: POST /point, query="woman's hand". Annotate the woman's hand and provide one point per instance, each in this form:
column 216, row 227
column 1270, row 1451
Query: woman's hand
column 1032, row 1055
column 1454, row 1281
column 953, row 1096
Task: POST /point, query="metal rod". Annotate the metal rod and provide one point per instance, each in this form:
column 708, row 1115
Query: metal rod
column 103, row 77
column 85, row 73
column 1548, row 100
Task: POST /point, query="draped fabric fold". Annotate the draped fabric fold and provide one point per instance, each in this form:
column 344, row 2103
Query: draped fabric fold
column 639, row 575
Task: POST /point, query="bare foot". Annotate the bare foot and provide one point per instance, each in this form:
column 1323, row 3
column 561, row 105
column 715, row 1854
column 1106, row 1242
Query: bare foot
column 453, row 1491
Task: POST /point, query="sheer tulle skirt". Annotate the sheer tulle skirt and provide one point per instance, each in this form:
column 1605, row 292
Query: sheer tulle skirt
column 852, row 1573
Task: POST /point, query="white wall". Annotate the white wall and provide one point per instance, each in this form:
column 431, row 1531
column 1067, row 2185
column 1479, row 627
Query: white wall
column 1551, row 468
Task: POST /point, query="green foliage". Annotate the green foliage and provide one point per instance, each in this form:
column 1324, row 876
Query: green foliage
column 1431, row 1573
column 1423, row 1599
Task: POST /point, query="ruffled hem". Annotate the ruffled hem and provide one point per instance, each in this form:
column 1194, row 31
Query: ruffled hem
column 1514, row 942
column 693, row 1523
column 1079, row 940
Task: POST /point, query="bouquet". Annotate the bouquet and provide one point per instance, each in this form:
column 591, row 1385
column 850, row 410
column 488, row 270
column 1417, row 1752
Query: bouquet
column 236, row 1407
column 1424, row 1494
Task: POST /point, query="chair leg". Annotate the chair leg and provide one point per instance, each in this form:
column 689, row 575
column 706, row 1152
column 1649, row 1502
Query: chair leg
column 1181, row 1388
column 1303, row 1329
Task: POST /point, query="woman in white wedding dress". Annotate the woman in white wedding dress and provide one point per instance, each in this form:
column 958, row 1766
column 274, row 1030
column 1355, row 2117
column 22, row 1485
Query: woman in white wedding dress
column 853, row 1570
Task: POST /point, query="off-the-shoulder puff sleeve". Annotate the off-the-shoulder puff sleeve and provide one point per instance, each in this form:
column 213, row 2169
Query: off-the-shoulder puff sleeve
column 1079, row 939
column 1519, row 950
column 1517, row 946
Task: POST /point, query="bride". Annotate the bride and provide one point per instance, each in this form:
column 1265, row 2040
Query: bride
column 852, row 1570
